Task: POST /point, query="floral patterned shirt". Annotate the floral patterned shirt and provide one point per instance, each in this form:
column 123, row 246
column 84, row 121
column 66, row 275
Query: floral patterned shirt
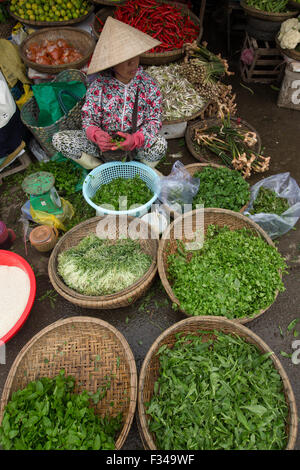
column 109, row 105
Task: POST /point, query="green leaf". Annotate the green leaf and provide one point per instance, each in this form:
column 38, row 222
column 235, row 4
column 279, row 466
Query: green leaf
column 257, row 409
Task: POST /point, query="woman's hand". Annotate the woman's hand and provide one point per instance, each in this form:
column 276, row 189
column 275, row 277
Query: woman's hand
column 131, row 141
column 99, row 137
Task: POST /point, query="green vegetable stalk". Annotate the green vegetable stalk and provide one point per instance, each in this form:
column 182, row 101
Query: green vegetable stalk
column 48, row 415
column 270, row 6
column 269, row 202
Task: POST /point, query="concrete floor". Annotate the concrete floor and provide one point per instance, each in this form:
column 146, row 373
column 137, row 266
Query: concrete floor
column 279, row 130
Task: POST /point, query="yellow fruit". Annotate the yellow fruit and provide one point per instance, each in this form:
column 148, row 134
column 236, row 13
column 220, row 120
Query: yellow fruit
column 32, row 17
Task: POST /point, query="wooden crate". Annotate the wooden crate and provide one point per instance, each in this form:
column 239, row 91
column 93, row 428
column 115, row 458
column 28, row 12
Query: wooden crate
column 22, row 162
column 268, row 63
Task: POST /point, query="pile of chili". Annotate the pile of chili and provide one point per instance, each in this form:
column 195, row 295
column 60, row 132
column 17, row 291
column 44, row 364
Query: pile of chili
column 167, row 23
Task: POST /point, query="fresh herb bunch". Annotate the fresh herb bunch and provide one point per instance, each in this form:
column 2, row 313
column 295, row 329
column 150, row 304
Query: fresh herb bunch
column 66, row 175
column 217, row 393
column 82, row 210
column 134, row 189
column 48, row 415
column 269, row 202
column 221, row 187
column 271, row 6
column 99, row 267
column 235, row 274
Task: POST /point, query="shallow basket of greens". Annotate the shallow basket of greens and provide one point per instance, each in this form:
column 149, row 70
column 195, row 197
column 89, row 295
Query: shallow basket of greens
column 99, row 263
column 211, row 384
column 73, row 386
column 219, row 187
column 269, row 10
column 219, row 262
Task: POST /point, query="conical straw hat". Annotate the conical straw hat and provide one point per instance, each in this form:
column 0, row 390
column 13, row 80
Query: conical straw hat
column 119, row 42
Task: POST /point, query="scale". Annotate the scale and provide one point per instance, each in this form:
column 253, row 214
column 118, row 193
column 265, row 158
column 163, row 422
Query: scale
column 43, row 195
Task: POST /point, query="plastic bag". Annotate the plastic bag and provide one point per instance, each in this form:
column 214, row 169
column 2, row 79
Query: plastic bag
column 178, row 188
column 284, row 186
column 44, row 218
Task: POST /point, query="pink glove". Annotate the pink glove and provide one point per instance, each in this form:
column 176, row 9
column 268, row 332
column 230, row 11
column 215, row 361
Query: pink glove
column 131, row 141
column 99, row 137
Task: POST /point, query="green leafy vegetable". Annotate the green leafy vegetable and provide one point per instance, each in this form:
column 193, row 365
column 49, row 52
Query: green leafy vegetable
column 221, row 187
column 134, row 189
column 269, row 202
column 271, row 6
column 215, row 391
column 100, row 267
column 235, row 274
column 48, row 415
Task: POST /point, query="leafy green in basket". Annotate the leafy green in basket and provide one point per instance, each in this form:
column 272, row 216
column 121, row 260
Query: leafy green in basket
column 236, row 274
column 48, row 415
column 221, row 187
column 215, row 391
column 134, row 189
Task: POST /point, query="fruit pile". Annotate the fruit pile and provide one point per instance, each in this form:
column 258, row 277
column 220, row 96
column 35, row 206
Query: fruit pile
column 56, row 52
column 49, row 10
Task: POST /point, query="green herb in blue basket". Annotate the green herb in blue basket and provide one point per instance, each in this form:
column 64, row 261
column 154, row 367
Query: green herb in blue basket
column 134, row 189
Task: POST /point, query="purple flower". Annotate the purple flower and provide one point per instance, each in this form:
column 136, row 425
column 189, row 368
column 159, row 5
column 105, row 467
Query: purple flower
column 247, row 56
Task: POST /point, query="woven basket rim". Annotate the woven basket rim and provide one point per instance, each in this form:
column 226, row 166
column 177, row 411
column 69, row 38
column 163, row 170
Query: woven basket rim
column 88, row 320
column 52, row 23
column 166, row 237
column 189, row 118
column 173, row 54
column 103, row 301
column 193, row 125
column 90, row 45
column 198, row 166
column 266, row 15
column 209, row 323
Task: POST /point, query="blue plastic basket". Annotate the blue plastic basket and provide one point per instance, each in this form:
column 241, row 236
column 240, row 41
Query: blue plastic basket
column 105, row 173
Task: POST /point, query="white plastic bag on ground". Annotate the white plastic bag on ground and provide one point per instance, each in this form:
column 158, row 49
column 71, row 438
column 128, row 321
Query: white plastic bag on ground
column 285, row 186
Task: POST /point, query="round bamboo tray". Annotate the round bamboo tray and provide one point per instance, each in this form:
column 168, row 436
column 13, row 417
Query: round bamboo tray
column 123, row 298
column 150, row 370
column 204, row 155
column 199, row 114
column 81, row 40
column 185, row 227
column 265, row 15
column 192, row 169
column 294, row 4
column 291, row 53
column 73, row 344
column 48, row 24
column 153, row 58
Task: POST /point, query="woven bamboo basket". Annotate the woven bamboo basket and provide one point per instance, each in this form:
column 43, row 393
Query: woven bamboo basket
column 74, row 344
column 110, row 3
column 185, row 228
column 153, row 58
column 150, row 370
column 291, row 53
column 81, row 40
column 204, row 155
column 201, row 114
column 48, row 24
column 71, row 121
column 192, row 169
column 265, row 15
column 123, row 298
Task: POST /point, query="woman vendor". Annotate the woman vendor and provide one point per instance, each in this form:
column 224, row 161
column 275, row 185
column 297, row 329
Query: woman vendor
column 123, row 102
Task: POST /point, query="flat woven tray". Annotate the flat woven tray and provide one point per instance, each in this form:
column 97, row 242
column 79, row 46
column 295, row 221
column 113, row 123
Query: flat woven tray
column 81, row 40
column 75, row 344
column 265, row 15
column 150, row 370
column 204, row 155
column 48, row 24
column 123, row 298
column 192, row 221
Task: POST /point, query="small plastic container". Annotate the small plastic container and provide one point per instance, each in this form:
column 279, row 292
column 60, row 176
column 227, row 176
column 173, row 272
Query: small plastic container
column 43, row 238
column 7, row 236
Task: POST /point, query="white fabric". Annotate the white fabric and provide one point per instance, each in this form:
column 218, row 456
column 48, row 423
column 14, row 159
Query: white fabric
column 7, row 103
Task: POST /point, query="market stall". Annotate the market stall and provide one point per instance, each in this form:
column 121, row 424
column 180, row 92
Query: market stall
column 193, row 230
